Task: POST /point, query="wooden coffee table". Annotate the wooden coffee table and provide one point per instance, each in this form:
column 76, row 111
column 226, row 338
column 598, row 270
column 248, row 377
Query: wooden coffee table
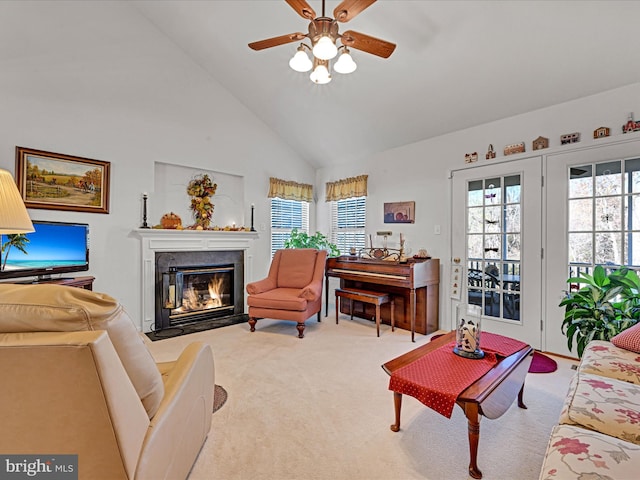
column 490, row 396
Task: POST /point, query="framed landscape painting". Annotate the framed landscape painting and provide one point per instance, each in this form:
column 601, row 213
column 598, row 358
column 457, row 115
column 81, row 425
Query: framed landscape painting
column 57, row 181
column 400, row 212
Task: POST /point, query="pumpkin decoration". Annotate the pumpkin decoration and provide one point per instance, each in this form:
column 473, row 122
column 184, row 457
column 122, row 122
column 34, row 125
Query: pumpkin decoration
column 201, row 188
column 171, row 221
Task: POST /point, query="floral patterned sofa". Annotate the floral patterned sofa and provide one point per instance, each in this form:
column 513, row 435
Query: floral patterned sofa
column 598, row 434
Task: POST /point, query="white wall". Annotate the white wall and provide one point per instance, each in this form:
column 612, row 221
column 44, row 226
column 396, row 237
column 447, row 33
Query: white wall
column 133, row 99
column 420, row 171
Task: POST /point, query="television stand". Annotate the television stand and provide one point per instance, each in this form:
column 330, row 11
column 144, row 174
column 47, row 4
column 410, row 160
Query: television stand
column 80, row 282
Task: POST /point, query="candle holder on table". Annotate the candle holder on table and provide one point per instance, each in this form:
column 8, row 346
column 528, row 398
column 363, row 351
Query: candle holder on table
column 468, row 332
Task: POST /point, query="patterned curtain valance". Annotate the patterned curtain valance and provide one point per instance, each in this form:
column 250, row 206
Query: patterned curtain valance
column 347, row 188
column 288, row 190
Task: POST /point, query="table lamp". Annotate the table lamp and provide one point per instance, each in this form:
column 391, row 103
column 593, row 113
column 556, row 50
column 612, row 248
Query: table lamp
column 13, row 213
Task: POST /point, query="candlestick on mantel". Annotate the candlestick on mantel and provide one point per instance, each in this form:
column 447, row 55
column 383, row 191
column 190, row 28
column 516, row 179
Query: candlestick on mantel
column 252, row 208
column 144, row 211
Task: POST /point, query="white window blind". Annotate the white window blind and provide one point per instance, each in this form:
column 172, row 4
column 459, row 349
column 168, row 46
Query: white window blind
column 285, row 216
column 348, row 222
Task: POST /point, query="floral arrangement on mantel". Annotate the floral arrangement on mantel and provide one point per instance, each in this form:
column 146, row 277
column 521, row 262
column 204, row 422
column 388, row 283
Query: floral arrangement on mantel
column 201, row 188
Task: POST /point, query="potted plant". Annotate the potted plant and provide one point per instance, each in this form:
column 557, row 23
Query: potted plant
column 605, row 305
column 318, row 241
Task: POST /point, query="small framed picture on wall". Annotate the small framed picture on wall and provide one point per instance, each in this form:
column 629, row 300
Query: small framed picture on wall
column 400, row 212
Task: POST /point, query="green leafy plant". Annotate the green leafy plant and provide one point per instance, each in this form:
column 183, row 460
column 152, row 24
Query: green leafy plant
column 318, row 241
column 605, row 305
column 18, row 240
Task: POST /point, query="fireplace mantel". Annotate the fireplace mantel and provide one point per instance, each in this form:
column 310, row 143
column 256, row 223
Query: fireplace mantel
column 164, row 240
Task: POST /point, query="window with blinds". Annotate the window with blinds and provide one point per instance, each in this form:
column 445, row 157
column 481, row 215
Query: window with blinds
column 348, row 222
column 285, row 216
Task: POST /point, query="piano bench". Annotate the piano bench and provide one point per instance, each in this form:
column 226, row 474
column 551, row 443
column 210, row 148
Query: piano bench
column 366, row 296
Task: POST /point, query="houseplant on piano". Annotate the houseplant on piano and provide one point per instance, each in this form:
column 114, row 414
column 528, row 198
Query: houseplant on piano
column 318, row 241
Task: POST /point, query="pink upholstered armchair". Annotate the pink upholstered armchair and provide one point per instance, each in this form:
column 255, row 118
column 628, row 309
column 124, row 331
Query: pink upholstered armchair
column 292, row 290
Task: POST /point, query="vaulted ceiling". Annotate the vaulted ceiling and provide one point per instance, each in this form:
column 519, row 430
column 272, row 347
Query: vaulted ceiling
column 457, row 64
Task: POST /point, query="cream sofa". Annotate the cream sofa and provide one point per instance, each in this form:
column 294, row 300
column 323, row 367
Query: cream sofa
column 77, row 378
column 598, row 434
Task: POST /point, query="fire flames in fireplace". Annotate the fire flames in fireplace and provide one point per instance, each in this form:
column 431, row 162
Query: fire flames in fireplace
column 193, row 299
column 205, row 291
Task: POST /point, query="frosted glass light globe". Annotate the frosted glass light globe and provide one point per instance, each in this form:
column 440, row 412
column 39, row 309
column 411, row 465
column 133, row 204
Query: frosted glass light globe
column 345, row 64
column 325, row 49
column 320, row 75
column 300, row 62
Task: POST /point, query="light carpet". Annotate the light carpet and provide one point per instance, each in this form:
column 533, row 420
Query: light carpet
column 320, row 408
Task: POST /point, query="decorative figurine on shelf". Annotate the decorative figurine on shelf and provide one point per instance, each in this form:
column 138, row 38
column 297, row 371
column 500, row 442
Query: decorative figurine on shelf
column 201, row 188
column 570, row 138
column 540, row 143
column 490, row 153
column 631, row 125
column 601, row 132
column 514, row 148
column 171, row 221
column 471, row 157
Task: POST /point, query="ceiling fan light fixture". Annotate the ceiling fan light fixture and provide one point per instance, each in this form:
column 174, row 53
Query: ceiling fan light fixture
column 345, row 63
column 320, row 74
column 300, row 62
column 323, row 35
column 325, row 48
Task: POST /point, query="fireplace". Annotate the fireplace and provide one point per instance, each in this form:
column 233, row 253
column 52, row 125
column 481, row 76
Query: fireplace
column 155, row 242
column 204, row 292
column 194, row 287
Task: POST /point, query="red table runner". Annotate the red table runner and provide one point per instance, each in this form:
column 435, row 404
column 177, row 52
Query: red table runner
column 437, row 378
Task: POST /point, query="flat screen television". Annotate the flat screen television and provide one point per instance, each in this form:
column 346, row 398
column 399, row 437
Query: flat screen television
column 54, row 248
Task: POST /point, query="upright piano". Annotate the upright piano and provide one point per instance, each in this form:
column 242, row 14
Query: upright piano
column 414, row 286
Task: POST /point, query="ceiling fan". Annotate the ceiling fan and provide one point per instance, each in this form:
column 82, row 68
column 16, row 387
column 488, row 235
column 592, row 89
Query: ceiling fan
column 324, row 35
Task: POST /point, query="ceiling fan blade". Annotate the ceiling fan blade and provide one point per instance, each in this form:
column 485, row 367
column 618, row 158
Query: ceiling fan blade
column 303, row 8
column 368, row 44
column 350, row 8
column 275, row 41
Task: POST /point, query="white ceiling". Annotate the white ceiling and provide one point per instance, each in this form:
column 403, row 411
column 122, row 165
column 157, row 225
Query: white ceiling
column 457, row 64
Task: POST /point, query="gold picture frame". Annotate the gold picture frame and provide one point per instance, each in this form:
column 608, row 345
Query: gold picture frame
column 400, row 212
column 55, row 181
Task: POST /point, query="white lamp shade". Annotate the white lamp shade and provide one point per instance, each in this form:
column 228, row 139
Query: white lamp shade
column 13, row 213
column 300, row 62
column 320, row 75
column 345, row 64
column 325, row 49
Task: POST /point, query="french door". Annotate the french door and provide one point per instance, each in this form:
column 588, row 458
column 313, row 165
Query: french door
column 497, row 242
column 593, row 218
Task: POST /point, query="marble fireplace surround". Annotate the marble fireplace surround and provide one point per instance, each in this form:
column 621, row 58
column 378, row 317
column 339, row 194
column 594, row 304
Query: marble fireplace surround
column 161, row 240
